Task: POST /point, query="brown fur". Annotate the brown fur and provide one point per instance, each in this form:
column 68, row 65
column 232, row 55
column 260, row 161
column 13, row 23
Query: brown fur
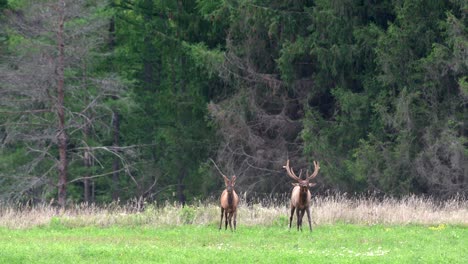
column 229, row 201
column 300, row 196
column 300, row 201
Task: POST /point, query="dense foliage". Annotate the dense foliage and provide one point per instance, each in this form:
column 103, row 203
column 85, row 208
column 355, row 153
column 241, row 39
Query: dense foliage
column 153, row 89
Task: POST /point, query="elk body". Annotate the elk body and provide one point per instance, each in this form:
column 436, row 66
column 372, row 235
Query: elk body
column 300, row 196
column 229, row 202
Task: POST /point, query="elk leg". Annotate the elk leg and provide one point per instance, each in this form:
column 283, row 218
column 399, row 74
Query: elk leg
column 292, row 214
column 308, row 217
column 226, row 219
column 221, row 222
column 235, row 217
column 230, row 220
column 299, row 218
column 303, row 213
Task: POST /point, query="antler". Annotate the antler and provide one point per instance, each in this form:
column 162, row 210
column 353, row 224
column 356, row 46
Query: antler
column 290, row 172
column 316, row 170
column 220, row 172
column 233, row 178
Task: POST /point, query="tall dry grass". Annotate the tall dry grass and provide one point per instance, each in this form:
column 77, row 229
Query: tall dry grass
column 266, row 212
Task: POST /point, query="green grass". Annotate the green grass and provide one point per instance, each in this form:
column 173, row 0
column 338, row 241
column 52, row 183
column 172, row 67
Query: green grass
column 338, row 243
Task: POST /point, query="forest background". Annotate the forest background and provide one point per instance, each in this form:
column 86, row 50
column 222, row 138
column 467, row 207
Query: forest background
column 107, row 100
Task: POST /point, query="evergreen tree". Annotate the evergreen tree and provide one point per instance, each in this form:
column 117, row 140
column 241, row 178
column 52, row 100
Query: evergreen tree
column 47, row 91
column 160, row 42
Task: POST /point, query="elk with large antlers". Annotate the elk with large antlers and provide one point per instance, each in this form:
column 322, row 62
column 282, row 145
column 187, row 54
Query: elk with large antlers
column 229, row 201
column 300, row 196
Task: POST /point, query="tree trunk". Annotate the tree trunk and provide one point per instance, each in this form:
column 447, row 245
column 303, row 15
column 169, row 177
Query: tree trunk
column 181, row 188
column 148, row 52
column 116, row 165
column 87, row 164
column 115, row 117
column 60, row 107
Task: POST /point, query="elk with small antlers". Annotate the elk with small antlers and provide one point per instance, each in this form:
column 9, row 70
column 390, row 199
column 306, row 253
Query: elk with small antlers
column 300, row 196
column 229, row 201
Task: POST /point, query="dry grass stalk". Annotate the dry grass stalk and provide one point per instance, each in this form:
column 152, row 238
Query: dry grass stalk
column 325, row 210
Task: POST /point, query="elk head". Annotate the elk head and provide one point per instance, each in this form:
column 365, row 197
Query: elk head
column 303, row 184
column 300, row 196
column 229, row 183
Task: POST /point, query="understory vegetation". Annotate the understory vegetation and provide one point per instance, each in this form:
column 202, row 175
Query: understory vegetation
column 327, row 210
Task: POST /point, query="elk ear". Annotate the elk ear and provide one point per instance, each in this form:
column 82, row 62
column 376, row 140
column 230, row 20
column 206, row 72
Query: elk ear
column 295, row 184
column 233, row 180
column 312, row 184
column 226, row 180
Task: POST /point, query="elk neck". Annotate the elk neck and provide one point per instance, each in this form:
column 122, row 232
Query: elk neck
column 303, row 196
column 230, row 197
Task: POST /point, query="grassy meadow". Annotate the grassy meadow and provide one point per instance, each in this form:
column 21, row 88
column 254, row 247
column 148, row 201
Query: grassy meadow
column 411, row 230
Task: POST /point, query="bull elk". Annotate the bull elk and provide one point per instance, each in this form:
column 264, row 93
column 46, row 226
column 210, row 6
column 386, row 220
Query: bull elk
column 300, row 196
column 229, row 201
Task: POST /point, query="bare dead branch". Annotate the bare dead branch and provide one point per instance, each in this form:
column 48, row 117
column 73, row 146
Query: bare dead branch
column 95, row 176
